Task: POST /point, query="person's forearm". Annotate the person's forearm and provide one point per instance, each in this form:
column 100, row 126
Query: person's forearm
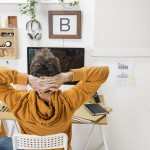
column 91, row 74
column 63, row 77
column 12, row 76
column 42, row 84
column 31, row 80
column 69, row 76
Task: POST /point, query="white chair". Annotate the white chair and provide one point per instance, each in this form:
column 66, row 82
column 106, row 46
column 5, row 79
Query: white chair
column 26, row 141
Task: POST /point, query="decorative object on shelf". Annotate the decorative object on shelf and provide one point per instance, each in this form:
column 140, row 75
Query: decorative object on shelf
column 6, row 54
column 2, row 53
column 8, row 43
column 33, row 26
column 7, row 34
column 3, row 21
column 12, row 21
column 65, row 24
column 2, row 45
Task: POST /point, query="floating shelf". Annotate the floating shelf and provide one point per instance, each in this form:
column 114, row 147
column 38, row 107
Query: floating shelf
column 9, row 51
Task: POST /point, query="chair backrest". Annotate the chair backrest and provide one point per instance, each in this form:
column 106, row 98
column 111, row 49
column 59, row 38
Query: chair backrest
column 26, row 141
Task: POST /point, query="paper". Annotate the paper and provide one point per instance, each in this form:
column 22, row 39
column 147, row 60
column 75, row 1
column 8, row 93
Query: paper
column 124, row 74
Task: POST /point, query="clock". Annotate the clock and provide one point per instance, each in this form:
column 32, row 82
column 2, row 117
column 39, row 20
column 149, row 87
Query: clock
column 7, row 43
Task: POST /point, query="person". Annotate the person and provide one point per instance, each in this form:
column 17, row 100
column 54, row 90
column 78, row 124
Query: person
column 5, row 143
column 45, row 109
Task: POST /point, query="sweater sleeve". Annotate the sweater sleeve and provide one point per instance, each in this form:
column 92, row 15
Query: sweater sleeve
column 8, row 94
column 90, row 79
column 12, row 76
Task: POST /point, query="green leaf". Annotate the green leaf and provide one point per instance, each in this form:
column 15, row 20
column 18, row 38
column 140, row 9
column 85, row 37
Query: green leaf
column 30, row 8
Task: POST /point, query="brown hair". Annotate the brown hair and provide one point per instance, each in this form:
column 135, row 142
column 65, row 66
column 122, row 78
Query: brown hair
column 44, row 63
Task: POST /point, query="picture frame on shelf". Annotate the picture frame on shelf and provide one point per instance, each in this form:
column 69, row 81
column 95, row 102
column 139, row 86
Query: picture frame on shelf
column 64, row 24
column 12, row 21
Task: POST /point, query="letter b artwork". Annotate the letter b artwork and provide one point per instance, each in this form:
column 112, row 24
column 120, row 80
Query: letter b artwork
column 65, row 24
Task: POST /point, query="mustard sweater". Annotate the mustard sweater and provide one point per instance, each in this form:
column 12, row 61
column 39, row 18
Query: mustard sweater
column 34, row 116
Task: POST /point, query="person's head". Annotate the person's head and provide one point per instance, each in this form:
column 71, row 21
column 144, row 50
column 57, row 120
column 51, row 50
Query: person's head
column 44, row 63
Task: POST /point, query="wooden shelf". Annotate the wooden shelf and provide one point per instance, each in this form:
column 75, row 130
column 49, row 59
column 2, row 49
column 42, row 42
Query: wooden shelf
column 12, row 50
column 6, row 37
column 6, row 47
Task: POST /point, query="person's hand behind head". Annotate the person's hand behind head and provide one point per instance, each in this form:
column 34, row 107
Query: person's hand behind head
column 43, row 84
column 61, row 78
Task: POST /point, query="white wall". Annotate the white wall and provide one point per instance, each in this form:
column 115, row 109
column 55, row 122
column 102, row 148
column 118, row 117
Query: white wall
column 122, row 23
column 42, row 16
column 122, row 34
column 117, row 26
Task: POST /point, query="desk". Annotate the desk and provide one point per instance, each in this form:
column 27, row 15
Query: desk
column 85, row 115
column 6, row 115
column 96, row 120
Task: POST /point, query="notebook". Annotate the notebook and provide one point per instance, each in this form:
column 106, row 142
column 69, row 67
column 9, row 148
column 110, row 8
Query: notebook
column 95, row 109
column 79, row 119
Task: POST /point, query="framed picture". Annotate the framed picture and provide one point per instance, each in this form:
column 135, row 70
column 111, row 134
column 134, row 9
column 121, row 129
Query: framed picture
column 65, row 24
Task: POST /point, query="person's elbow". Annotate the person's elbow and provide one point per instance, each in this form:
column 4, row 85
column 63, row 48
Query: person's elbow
column 105, row 73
